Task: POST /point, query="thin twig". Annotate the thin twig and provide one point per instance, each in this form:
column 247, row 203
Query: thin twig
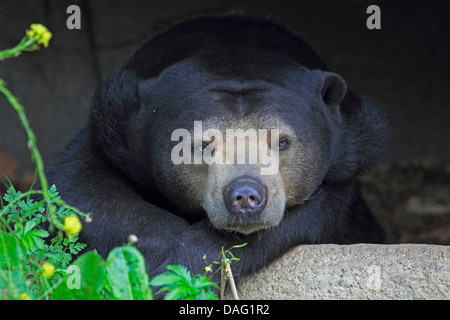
column 230, row 277
column 223, row 281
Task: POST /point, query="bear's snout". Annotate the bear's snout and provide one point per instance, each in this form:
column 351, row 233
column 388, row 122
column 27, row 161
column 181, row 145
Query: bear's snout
column 245, row 195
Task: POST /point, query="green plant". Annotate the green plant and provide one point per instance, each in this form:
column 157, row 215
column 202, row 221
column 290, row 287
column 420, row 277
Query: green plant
column 226, row 274
column 181, row 285
column 36, row 35
column 25, row 257
column 178, row 283
column 29, row 266
column 121, row 277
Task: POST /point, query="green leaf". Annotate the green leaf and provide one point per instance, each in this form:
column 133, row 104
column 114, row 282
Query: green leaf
column 11, row 195
column 53, row 191
column 207, row 295
column 166, row 279
column 12, row 252
column 13, row 280
column 176, row 275
column 181, row 285
column 28, row 226
column 31, row 239
column 65, row 258
column 126, row 274
column 204, row 282
column 41, row 233
column 233, row 257
column 84, row 281
column 177, row 293
column 182, row 271
column 38, row 243
column 238, row 246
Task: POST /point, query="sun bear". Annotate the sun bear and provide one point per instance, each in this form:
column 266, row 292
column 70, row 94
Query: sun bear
column 178, row 139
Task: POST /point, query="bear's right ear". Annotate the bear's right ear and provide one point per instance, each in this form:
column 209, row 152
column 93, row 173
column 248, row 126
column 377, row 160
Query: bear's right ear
column 333, row 87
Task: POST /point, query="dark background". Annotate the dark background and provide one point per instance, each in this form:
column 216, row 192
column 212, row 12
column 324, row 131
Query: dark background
column 404, row 67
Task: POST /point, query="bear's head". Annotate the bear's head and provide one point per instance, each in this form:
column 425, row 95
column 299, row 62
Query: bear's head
column 237, row 132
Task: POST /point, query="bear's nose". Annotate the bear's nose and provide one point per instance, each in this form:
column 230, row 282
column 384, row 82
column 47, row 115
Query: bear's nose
column 245, row 195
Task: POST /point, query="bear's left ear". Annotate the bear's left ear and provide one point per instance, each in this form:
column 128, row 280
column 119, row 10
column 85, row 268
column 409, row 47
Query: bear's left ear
column 333, row 87
column 145, row 90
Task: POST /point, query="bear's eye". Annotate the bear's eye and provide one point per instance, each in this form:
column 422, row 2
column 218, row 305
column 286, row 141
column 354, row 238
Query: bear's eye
column 283, row 143
column 203, row 146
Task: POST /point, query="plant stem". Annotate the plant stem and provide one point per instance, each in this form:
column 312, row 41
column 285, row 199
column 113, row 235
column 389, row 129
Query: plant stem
column 17, row 50
column 31, row 142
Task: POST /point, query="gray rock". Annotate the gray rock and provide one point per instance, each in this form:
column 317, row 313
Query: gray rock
column 362, row 271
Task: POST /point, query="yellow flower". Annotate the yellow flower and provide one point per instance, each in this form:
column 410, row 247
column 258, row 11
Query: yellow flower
column 72, row 225
column 208, row 269
column 39, row 32
column 24, row 296
column 49, row 269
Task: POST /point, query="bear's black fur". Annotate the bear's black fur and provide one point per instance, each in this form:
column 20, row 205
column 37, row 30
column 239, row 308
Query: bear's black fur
column 109, row 168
